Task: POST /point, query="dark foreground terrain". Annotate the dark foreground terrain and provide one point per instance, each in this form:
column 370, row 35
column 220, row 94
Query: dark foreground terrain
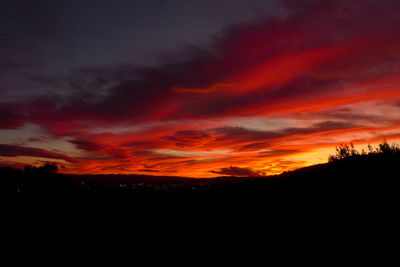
column 354, row 180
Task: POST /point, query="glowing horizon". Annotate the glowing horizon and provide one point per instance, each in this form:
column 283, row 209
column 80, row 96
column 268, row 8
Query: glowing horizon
column 261, row 94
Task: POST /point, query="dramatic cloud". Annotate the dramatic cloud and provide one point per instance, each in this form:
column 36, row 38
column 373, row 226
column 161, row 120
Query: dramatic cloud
column 265, row 86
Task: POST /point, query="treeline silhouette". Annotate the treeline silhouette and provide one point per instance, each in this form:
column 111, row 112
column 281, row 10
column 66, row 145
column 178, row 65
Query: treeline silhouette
column 357, row 180
column 384, row 151
column 35, row 180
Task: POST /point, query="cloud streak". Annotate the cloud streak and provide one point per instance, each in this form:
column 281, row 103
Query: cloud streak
column 15, row 151
column 236, row 171
column 323, row 71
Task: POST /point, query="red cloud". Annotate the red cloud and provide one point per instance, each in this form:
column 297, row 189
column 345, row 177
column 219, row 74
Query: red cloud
column 323, row 56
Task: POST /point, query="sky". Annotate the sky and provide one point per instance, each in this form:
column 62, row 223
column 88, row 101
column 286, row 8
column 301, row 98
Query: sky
column 195, row 88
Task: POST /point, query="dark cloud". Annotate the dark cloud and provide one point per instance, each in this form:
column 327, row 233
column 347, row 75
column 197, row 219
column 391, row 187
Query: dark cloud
column 75, row 67
column 245, row 134
column 9, row 119
column 254, row 146
column 138, row 145
column 320, row 127
column 103, row 149
column 15, row 151
column 128, row 93
column 43, row 80
column 265, row 101
column 237, row 171
column 237, row 138
column 12, row 64
column 350, row 116
column 189, row 138
column 118, row 167
column 277, row 152
column 87, row 145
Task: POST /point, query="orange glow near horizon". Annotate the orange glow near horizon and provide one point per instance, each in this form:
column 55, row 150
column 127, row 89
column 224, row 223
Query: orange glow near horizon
column 266, row 96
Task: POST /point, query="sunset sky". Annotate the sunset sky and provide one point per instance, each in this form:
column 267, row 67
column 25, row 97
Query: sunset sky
column 195, row 88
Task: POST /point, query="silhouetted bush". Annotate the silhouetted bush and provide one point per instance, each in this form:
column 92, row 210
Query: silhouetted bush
column 348, row 152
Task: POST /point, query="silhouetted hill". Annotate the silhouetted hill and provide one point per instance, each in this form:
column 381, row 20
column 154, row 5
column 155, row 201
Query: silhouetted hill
column 350, row 180
column 148, row 179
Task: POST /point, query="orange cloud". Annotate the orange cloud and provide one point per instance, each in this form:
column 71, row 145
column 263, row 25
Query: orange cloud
column 191, row 116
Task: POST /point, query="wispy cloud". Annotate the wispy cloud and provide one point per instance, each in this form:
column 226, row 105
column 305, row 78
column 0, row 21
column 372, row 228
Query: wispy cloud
column 15, row 151
column 325, row 71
